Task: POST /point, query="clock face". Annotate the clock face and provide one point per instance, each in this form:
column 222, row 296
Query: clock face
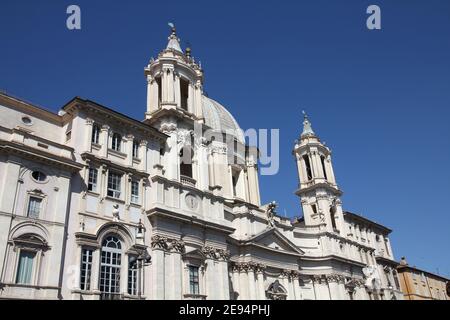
column 191, row 201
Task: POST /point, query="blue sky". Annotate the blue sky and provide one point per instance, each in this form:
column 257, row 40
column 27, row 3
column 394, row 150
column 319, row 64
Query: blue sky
column 380, row 99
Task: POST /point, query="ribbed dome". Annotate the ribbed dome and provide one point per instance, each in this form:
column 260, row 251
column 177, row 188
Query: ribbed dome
column 220, row 119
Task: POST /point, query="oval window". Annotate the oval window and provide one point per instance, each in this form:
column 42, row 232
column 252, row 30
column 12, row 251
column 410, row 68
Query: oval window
column 27, row 121
column 39, row 176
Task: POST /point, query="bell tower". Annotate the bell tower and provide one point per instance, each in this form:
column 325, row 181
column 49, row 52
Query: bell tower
column 174, row 81
column 319, row 193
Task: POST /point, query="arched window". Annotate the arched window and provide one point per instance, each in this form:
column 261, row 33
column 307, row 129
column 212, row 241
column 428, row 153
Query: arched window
column 322, row 160
column 111, row 258
column 184, row 94
column 116, row 141
column 159, row 84
column 307, row 167
column 186, row 155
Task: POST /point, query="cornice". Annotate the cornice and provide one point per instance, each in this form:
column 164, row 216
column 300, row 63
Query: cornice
column 39, row 155
column 157, row 212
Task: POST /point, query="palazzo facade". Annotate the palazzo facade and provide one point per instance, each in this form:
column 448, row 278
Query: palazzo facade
column 97, row 205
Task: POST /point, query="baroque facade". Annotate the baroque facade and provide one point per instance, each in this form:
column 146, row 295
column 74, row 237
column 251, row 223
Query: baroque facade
column 96, row 205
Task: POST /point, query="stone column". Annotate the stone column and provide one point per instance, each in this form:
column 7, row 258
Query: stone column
column 95, row 272
column 261, row 294
column 198, row 100
column 236, row 285
column 143, row 155
column 128, row 141
column 334, row 288
column 202, row 165
column 88, row 134
column 329, row 165
column 104, row 138
column 191, row 107
column 152, row 94
column 176, row 89
column 251, row 283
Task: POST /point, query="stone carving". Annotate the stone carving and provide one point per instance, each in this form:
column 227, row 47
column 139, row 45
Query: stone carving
column 167, row 244
column 184, row 137
column 116, row 213
column 276, row 291
column 216, row 253
column 270, row 212
column 168, row 127
column 248, row 266
column 159, row 242
column 177, row 245
column 373, row 281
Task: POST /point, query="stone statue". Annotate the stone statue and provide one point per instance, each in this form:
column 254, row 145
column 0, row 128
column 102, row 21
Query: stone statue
column 373, row 280
column 271, row 213
column 115, row 213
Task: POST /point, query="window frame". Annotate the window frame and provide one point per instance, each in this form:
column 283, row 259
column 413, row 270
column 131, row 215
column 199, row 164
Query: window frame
column 194, row 284
column 135, row 149
column 93, row 184
column 135, row 197
column 95, row 134
column 114, row 193
column 86, row 269
column 132, row 276
column 110, row 265
column 41, row 201
column 33, row 266
column 116, row 142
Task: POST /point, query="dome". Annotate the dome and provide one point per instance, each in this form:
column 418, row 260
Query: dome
column 220, row 119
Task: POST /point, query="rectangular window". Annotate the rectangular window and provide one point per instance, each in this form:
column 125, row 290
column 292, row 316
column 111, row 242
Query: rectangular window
column 86, row 268
column 194, row 287
column 25, row 267
column 135, row 149
column 114, row 180
column 132, row 276
column 135, row 191
column 95, row 133
column 34, row 207
column 92, row 181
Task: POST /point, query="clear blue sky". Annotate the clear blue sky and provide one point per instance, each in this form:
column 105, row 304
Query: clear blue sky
column 380, row 99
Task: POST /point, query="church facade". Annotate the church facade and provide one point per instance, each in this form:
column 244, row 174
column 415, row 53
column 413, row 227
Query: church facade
column 97, row 205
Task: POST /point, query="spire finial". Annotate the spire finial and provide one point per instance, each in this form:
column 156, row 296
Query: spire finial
column 307, row 128
column 172, row 28
column 174, row 42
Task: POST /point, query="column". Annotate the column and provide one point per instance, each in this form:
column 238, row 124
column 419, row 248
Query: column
column 158, row 274
column 296, row 284
column 129, row 149
column 260, row 284
column 143, row 155
column 88, row 134
column 251, row 283
column 202, row 166
column 331, row 176
column 95, row 272
column 152, row 94
column 177, row 90
column 191, row 107
column 104, row 138
column 236, row 286
column 198, row 100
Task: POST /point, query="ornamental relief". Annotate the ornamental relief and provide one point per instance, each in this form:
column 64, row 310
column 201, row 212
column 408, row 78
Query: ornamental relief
column 248, row 266
column 216, row 253
column 167, row 244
